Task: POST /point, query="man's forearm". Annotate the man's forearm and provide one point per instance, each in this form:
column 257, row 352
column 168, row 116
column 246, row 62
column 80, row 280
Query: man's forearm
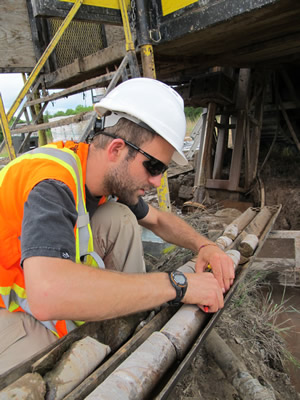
column 175, row 230
column 61, row 289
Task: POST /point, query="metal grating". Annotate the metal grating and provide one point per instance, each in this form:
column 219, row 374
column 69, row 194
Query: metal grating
column 81, row 39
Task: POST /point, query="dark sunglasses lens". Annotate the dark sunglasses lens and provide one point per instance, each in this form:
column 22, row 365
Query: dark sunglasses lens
column 155, row 167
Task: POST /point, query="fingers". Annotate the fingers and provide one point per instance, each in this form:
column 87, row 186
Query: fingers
column 221, row 265
column 224, row 272
column 204, row 290
column 200, row 265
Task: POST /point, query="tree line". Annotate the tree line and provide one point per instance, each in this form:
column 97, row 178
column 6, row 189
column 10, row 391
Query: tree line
column 190, row 112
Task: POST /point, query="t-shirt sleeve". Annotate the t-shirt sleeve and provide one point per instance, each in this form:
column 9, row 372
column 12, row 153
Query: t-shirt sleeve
column 48, row 222
column 140, row 210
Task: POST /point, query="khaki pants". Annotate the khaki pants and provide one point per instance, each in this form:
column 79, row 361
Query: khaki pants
column 117, row 240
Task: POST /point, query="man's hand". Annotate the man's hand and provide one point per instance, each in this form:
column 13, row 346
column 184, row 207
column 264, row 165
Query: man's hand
column 204, row 290
column 221, row 264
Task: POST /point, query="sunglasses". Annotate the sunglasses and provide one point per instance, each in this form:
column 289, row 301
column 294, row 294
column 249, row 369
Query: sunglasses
column 154, row 166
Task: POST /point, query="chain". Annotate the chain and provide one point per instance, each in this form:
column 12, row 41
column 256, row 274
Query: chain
column 132, row 15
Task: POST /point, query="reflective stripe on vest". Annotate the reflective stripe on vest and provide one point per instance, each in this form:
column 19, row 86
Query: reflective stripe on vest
column 15, row 297
column 84, row 237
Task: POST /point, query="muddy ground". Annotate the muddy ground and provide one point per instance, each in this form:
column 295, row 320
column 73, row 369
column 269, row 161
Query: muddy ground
column 254, row 323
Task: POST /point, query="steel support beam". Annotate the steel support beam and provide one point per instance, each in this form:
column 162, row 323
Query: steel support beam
column 6, row 131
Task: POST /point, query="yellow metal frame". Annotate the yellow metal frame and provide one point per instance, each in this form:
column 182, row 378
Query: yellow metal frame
column 6, row 131
column 148, row 61
column 128, row 37
column 163, row 194
column 169, row 6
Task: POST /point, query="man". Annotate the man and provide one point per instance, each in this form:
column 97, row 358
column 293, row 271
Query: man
column 50, row 270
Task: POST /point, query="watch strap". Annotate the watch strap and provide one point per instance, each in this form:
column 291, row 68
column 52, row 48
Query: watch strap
column 180, row 288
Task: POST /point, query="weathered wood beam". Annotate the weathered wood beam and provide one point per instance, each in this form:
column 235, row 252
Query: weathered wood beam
column 88, row 84
column 54, row 124
column 284, row 45
column 90, row 64
column 289, row 124
column 16, row 48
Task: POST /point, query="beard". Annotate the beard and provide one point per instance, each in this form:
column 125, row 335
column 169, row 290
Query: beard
column 118, row 182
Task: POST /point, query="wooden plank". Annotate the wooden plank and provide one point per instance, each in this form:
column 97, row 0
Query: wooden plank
column 93, row 65
column 16, row 47
column 89, row 84
column 66, row 121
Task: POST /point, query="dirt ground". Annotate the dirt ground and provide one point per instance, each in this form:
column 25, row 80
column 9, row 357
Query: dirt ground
column 281, row 178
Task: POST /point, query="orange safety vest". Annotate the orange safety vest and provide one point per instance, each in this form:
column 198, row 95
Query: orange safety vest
column 65, row 162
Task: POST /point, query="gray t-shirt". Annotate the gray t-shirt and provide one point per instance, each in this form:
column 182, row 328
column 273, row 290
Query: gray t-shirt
column 49, row 219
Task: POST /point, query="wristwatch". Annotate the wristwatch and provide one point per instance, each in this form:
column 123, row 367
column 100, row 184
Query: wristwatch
column 179, row 282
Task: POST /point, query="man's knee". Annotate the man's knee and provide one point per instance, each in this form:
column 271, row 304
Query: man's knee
column 113, row 213
column 111, row 219
column 117, row 237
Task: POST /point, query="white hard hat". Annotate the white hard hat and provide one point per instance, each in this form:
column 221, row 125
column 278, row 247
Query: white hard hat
column 153, row 103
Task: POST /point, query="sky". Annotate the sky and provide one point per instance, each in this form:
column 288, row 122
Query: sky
column 12, row 84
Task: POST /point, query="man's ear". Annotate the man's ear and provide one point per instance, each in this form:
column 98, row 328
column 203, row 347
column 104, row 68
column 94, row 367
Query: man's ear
column 115, row 149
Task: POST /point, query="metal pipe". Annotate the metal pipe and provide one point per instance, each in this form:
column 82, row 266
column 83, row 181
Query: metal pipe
column 6, row 131
column 148, row 63
column 142, row 23
column 126, row 26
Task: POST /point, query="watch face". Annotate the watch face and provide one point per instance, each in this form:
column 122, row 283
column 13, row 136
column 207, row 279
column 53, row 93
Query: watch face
column 180, row 279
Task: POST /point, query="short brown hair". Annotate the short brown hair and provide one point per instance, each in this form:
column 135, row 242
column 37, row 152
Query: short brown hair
column 128, row 130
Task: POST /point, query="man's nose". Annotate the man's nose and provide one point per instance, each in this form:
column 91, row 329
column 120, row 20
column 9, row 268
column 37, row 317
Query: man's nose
column 155, row 180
